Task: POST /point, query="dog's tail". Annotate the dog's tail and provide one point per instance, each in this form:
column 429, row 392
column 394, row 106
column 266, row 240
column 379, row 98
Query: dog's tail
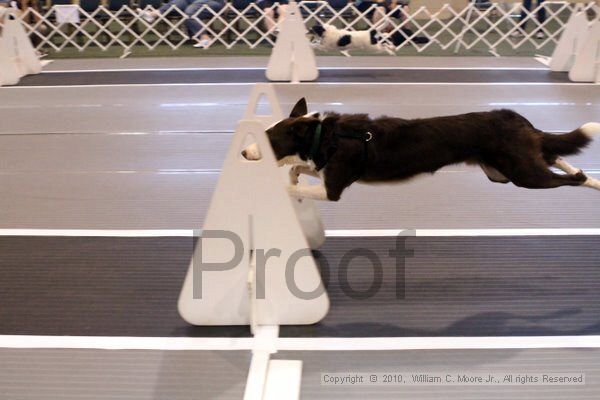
column 572, row 142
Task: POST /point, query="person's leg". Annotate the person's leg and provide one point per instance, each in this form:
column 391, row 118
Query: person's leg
column 527, row 6
column 198, row 11
column 365, row 8
column 172, row 4
column 378, row 15
column 192, row 22
column 270, row 22
column 541, row 14
column 282, row 10
column 151, row 14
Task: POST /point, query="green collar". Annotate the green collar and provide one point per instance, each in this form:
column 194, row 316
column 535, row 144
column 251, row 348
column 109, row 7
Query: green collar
column 316, row 143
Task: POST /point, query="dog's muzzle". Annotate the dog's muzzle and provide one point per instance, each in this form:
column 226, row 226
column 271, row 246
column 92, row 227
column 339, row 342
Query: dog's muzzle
column 252, row 152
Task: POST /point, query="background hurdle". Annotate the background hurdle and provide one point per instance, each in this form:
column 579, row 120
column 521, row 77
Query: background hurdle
column 586, row 67
column 17, row 55
column 578, row 50
column 292, row 58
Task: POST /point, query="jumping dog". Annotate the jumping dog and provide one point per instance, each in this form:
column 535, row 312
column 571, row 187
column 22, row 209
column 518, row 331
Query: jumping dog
column 344, row 148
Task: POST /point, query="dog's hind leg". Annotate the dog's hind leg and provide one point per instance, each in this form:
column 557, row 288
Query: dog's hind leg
column 493, row 174
column 540, row 177
column 569, row 169
column 592, row 183
column 566, row 167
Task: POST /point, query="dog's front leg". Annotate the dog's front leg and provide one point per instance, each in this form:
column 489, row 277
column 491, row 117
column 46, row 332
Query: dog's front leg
column 314, row 192
column 299, row 169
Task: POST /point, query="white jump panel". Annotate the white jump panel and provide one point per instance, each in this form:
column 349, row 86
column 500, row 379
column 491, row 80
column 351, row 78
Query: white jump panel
column 251, row 202
column 17, row 55
column 586, row 67
column 306, row 209
column 570, row 43
column 253, row 225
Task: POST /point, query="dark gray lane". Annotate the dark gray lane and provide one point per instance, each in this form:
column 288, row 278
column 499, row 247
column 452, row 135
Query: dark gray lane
column 258, row 75
column 441, row 363
column 451, row 286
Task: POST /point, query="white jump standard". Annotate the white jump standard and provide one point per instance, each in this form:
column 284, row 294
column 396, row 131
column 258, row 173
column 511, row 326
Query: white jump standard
column 253, row 265
column 292, row 58
column 17, row 55
column 578, row 50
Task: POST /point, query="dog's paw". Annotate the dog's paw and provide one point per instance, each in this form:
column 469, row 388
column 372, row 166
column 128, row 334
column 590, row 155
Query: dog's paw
column 293, row 191
column 295, row 174
column 581, row 176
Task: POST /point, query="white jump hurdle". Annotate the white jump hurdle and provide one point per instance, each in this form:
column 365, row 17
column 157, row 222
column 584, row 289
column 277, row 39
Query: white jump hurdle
column 586, row 67
column 578, row 50
column 292, row 58
column 17, row 55
column 272, row 278
column 570, row 43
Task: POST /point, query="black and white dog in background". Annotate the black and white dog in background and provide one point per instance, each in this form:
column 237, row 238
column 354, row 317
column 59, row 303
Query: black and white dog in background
column 344, row 148
column 330, row 38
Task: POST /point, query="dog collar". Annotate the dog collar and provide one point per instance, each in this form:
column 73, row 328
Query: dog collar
column 365, row 137
column 316, row 143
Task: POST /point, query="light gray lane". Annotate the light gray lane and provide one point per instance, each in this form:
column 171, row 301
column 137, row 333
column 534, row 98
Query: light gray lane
column 173, row 200
column 101, row 374
column 90, row 180
column 219, row 107
column 148, row 152
column 79, row 153
column 452, row 362
column 64, row 374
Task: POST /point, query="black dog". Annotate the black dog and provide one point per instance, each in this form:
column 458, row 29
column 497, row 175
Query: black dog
column 342, row 149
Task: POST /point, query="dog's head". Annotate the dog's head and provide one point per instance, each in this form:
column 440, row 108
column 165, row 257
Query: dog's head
column 291, row 137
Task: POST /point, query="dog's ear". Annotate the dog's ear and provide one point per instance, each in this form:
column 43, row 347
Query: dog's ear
column 299, row 109
column 318, row 30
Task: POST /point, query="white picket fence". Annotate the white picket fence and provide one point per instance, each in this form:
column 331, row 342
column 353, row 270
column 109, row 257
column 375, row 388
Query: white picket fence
column 488, row 26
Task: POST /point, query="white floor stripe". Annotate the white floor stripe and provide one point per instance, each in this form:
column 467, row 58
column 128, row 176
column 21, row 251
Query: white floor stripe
column 328, row 233
column 305, row 84
column 98, row 232
column 298, row 344
column 462, row 232
column 174, row 69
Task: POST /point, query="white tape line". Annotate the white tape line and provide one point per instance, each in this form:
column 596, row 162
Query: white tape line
column 67, row 71
column 328, row 233
column 299, row 344
column 461, row 232
column 305, row 84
